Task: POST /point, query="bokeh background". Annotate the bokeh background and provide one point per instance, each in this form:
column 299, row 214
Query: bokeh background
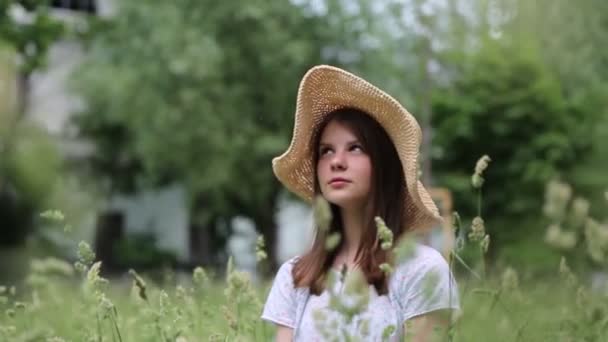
column 151, row 125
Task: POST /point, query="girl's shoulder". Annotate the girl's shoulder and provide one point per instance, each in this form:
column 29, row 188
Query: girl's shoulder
column 422, row 255
column 423, row 283
column 285, row 271
column 422, row 260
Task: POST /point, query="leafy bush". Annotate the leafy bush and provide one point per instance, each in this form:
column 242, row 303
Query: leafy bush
column 140, row 250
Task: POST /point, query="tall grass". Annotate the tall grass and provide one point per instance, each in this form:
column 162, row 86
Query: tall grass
column 73, row 302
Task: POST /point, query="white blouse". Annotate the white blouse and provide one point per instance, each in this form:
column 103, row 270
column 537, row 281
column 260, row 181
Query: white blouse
column 419, row 285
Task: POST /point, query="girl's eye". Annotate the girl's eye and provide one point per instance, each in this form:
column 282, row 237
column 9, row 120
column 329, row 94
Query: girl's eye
column 324, row 151
column 356, row 148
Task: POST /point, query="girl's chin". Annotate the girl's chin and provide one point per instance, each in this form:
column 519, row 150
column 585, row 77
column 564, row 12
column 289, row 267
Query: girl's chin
column 342, row 201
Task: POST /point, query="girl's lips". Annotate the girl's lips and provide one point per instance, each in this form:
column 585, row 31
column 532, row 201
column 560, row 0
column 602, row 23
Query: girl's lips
column 339, row 179
column 337, row 184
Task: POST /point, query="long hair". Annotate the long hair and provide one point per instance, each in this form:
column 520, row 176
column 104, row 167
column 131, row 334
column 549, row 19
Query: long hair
column 387, row 201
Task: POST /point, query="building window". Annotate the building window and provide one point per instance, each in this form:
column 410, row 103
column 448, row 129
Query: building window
column 87, row 6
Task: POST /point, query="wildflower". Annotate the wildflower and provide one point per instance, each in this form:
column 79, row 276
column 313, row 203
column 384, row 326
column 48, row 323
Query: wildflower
column 405, row 249
column 139, row 284
column 322, row 213
column 356, row 286
column 163, row 302
column 478, row 230
column 485, row 243
column 53, row 215
column 239, row 288
column 199, row 277
column 429, row 284
column 80, row 267
column 52, row 265
column 105, row 305
column 557, row 195
column 559, row 238
column 481, row 165
column 332, row 278
column 477, row 181
column 230, row 317
column 260, row 253
column 93, row 281
column 85, row 253
column 386, row 268
column 388, row 331
column 456, row 220
column 354, row 298
column 596, row 236
column 181, row 293
column 567, row 240
column 384, row 234
column 332, row 241
column 580, row 210
column 237, row 282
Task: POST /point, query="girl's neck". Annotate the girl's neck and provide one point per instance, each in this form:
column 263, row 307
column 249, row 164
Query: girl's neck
column 353, row 221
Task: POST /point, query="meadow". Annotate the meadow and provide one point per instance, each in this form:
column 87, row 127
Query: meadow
column 62, row 301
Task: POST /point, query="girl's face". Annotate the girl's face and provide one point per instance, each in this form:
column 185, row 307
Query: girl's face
column 344, row 168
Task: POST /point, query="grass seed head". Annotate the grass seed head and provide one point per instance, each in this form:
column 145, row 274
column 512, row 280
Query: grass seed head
column 322, row 213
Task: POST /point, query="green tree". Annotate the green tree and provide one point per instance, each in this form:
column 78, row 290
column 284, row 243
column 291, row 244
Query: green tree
column 571, row 34
column 29, row 161
column 202, row 92
column 514, row 110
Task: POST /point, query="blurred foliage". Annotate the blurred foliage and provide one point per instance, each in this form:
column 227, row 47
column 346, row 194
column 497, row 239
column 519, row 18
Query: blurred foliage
column 571, row 34
column 140, row 250
column 199, row 91
column 29, row 27
column 524, row 89
column 515, row 111
column 29, row 161
column 197, row 307
column 29, row 177
column 204, row 92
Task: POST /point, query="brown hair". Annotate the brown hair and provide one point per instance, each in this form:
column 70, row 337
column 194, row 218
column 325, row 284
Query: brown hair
column 387, row 195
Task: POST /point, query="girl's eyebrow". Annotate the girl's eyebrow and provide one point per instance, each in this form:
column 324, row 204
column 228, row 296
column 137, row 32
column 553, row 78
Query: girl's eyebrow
column 323, row 144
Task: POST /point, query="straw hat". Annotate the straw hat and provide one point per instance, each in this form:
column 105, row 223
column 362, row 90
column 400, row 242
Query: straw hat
column 324, row 89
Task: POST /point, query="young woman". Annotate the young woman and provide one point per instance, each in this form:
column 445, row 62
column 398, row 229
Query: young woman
column 357, row 147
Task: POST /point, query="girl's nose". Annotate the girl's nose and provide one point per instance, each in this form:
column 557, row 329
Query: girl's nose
column 338, row 162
